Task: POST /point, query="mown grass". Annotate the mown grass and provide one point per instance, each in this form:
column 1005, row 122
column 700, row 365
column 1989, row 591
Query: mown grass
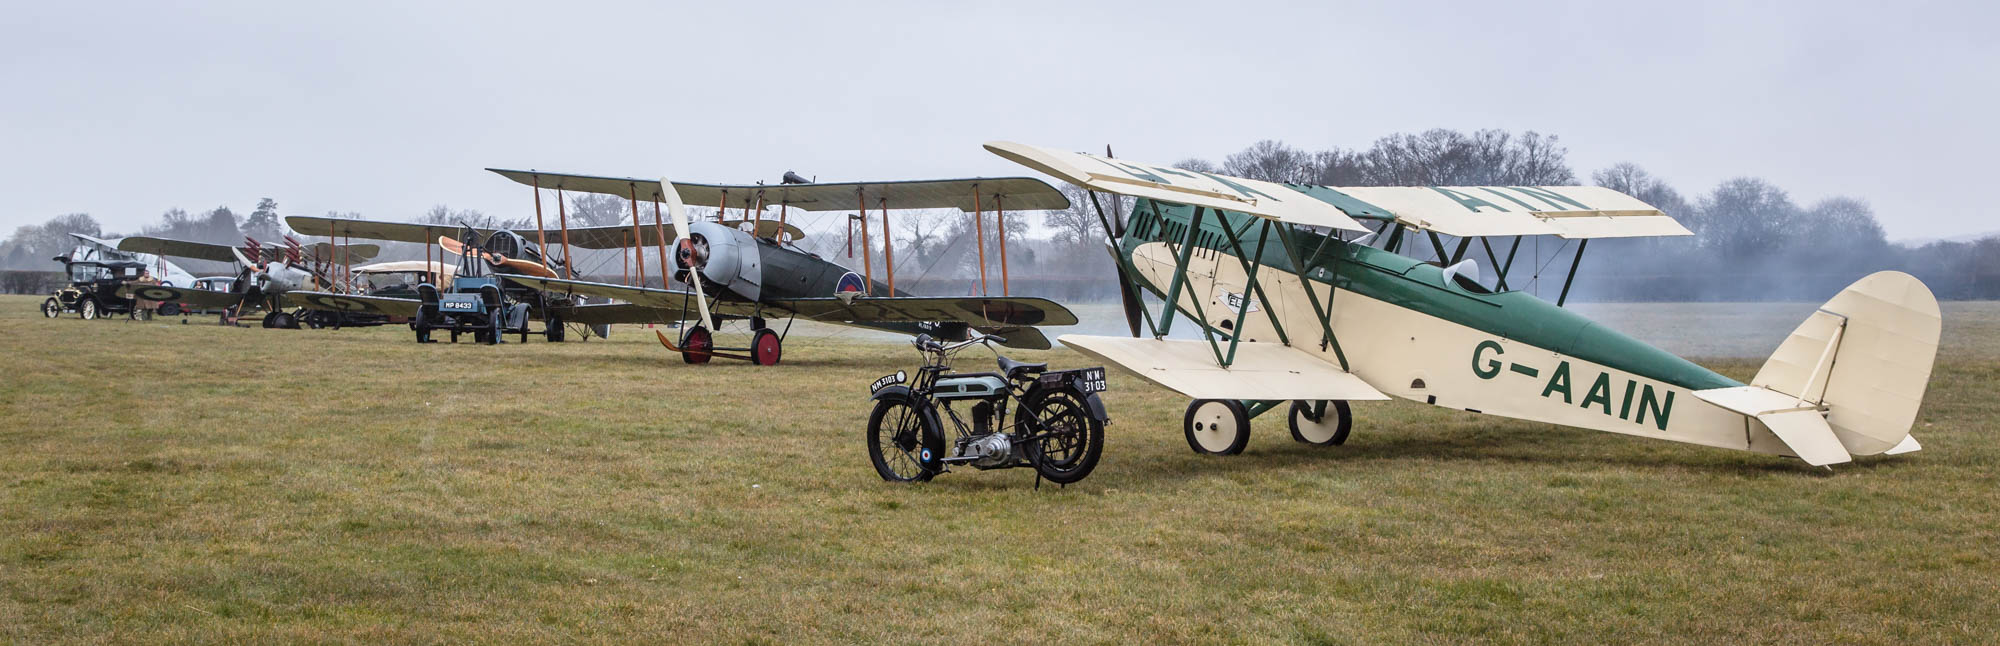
column 169, row 483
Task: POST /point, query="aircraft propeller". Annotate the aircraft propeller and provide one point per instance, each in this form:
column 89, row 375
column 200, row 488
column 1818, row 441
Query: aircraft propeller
column 682, row 242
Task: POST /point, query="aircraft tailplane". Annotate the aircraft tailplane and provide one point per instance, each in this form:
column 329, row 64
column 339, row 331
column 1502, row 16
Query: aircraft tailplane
column 1863, row 360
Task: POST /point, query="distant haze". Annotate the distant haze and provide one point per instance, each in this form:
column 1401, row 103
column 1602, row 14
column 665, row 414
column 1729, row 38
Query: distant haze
column 386, row 109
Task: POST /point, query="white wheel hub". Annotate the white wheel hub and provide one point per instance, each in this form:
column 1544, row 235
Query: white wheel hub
column 1215, row 427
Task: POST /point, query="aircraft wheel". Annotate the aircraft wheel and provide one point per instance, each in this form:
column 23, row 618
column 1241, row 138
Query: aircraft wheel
column 279, row 321
column 1320, row 423
column 87, row 308
column 1217, row 426
column 52, row 308
column 267, row 322
column 554, row 327
column 766, row 348
column 170, row 309
column 696, row 345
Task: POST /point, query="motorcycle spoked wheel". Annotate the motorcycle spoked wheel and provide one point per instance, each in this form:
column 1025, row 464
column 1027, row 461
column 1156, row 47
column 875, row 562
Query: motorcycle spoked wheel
column 1072, row 440
column 903, row 443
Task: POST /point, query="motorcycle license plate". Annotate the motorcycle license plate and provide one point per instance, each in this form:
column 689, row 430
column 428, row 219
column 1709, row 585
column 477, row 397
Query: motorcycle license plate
column 1091, row 380
column 887, row 381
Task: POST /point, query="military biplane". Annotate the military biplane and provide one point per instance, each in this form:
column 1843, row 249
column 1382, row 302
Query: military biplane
column 264, row 275
column 751, row 269
column 1299, row 302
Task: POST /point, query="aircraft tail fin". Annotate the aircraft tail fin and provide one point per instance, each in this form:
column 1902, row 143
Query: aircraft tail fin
column 1863, row 360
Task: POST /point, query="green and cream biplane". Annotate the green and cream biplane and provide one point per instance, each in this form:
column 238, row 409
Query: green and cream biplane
column 1299, row 303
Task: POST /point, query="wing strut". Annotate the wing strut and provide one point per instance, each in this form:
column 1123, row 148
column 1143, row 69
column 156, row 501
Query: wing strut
column 1323, row 313
column 1571, row 280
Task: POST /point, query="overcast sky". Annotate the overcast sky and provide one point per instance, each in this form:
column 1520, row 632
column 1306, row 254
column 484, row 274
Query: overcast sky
column 126, row 110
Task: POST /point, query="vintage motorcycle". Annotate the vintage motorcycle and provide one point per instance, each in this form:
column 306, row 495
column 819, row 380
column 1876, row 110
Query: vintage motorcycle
column 1057, row 426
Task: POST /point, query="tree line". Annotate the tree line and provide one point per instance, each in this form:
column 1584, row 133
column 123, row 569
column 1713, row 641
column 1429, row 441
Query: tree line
column 1752, row 241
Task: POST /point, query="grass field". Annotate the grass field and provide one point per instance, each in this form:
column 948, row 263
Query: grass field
column 170, row 483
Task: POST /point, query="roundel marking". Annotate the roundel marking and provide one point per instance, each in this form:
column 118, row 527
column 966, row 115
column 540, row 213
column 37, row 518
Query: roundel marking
column 155, row 294
column 849, row 282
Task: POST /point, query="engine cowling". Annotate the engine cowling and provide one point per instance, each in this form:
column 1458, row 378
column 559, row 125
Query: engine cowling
column 728, row 259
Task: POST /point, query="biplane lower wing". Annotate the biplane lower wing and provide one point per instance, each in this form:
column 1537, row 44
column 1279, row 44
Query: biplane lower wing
column 187, row 295
column 1261, row 371
column 645, row 297
column 1008, row 312
column 609, row 313
column 330, row 302
column 1012, row 311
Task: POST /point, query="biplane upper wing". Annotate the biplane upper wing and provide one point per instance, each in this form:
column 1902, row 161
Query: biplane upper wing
column 226, row 253
column 188, row 295
column 969, row 194
column 1261, row 370
column 1255, row 197
column 604, row 237
column 1563, row 211
column 331, row 302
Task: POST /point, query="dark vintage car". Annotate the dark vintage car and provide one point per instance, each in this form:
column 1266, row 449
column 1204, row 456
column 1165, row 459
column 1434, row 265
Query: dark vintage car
column 93, row 291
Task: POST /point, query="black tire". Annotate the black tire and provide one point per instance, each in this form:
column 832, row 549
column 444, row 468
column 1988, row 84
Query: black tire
column 1074, row 439
column 697, row 345
column 52, row 308
column 903, row 443
column 478, row 336
column 554, row 329
column 87, row 308
column 423, row 333
column 280, row 321
column 269, row 321
column 170, row 309
column 1315, row 431
column 1216, row 426
column 766, row 348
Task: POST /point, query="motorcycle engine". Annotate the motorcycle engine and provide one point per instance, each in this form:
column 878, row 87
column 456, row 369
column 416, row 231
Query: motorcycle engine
column 991, row 450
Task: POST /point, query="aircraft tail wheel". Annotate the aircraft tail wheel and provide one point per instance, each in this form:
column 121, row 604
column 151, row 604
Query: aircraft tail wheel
column 51, row 308
column 766, row 348
column 1217, row 426
column 696, row 345
column 1320, row 423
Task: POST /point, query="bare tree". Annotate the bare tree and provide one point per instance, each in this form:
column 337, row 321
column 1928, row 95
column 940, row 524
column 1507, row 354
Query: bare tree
column 597, row 210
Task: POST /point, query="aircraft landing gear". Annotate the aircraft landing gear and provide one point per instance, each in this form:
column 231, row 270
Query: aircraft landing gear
column 697, row 345
column 1216, row 426
column 766, row 348
column 1312, row 424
